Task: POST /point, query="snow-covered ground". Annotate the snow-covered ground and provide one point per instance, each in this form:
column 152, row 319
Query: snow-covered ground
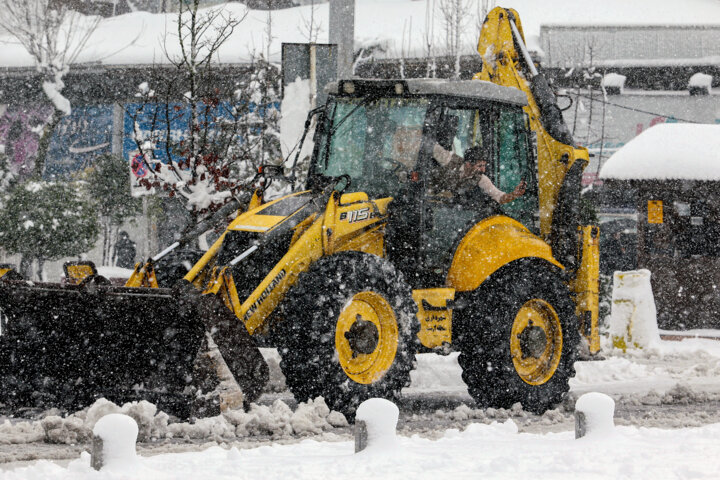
column 674, row 385
column 480, row 451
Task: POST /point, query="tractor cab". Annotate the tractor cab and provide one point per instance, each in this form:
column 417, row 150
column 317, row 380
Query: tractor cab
column 385, row 134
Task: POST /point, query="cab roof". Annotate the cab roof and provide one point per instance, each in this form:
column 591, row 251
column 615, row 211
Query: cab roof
column 475, row 89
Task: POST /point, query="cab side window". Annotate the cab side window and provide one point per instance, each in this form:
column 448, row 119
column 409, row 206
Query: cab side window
column 514, row 160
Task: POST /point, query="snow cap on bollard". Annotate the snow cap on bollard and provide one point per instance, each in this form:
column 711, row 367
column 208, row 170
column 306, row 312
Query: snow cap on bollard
column 633, row 319
column 380, row 418
column 117, row 434
column 594, row 415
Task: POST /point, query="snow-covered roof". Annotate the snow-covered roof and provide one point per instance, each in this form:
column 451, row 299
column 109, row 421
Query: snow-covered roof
column 668, row 151
column 398, row 26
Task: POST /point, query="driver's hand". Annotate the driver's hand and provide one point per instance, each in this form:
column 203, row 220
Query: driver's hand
column 520, row 189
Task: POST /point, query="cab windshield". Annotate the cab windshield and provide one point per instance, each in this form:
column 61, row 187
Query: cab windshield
column 376, row 142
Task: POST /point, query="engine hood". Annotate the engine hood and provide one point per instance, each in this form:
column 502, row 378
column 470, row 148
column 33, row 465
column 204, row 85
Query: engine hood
column 270, row 215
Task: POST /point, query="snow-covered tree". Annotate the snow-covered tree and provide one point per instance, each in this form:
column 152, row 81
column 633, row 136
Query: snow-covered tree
column 260, row 127
column 206, row 137
column 46, row 221
column 195, row 147
column 54, row 36
column 109, row 190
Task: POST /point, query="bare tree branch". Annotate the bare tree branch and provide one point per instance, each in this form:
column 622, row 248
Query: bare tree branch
column 54, row 36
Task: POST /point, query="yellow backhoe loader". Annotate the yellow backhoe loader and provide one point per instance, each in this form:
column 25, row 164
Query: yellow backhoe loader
column 382, row 256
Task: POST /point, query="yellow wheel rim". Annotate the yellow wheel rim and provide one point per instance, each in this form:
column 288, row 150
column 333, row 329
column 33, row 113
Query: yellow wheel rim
column 366, row 337
column 536, row 342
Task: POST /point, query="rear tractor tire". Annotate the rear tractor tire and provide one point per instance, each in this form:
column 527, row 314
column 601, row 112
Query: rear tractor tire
column 349, row 332
column 518, row 339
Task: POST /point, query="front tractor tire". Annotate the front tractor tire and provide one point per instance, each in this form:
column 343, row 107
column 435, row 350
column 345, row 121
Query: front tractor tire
column 518, row 339
column 349, row 332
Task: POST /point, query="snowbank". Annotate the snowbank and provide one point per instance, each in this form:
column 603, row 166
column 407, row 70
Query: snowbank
column 480, row 451
column 77, row 428
column 277, row 421
column 668, row 151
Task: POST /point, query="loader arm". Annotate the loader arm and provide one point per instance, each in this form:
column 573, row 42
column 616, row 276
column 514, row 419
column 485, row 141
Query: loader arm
column 560, row 163
column 319, row 228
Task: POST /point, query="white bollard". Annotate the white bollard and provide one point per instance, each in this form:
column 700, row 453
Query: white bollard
column 114, row 438
column 633, row 319
column 594, row 414
column 375, row 423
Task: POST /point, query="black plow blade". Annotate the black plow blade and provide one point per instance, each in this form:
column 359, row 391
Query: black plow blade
column 67, row 345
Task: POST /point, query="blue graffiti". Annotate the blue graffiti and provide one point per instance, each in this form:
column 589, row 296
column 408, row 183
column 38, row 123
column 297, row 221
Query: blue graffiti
column 78, row 139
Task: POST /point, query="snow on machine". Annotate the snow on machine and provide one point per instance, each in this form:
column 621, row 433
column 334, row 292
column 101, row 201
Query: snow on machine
column 384, row 254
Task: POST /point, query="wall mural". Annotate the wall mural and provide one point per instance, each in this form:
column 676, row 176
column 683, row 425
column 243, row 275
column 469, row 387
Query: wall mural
column 79, row 139
column 20, row 128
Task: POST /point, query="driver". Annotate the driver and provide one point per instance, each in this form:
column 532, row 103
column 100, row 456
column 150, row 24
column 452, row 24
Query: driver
column 462, row 174
column 406, row 145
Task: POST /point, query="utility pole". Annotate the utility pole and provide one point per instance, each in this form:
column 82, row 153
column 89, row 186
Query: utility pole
column 342, row 33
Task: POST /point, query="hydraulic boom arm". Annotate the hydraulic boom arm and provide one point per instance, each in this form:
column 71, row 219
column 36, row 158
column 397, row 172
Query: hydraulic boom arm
column 507, row 62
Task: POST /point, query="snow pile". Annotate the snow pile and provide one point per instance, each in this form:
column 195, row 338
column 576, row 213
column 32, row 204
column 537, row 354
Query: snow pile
column 119, row 434
column 599, row 410
column 295, row 107
column 52, row 90
column 668, row 151
column 380, row 417
column 436, row 373
column 633, row 320
column 20, row 432
column 614, row 82
column 114, row 272
column 277, row 421
column 700, row 81
column 77, row 427
column 669, row 372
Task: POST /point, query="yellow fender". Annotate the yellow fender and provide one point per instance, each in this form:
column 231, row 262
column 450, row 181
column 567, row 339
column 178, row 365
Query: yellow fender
column 492, row 243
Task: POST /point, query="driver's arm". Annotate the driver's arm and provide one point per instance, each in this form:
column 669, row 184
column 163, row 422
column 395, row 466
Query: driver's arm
column 446, row 158
column 498, row 195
